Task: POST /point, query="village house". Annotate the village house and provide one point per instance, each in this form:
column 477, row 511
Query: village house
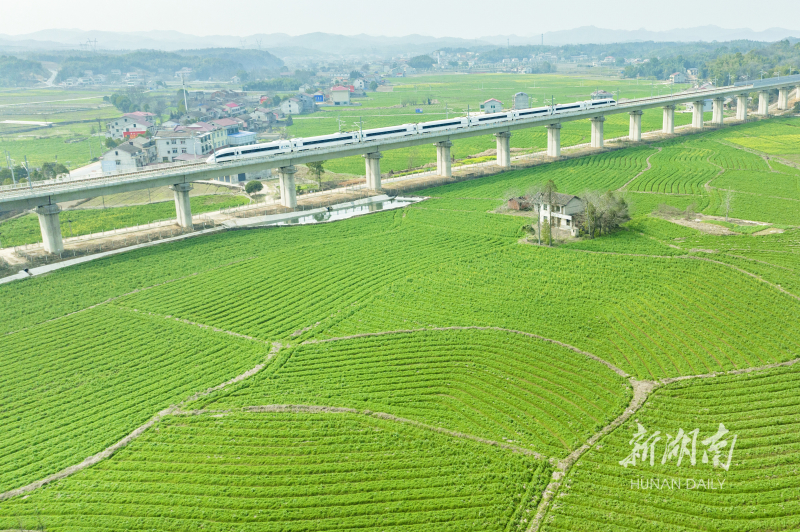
column 678, row 77
column 131, row 124
column 148, row 146
column 340, row 95
column 562, row 211
column 183, row 145
column 226, row 127
column 233, row 109
column 126, row 157
column 292, row 106
column 492, row 106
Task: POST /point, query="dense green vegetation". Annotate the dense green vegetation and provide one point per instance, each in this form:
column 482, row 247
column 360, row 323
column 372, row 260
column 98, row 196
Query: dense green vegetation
column 725, row 62
column 215, row 63
column 496, row 385
column 759, row 489
column 16, row 72
column 25, row 229
column 77, row 385
column 292, row 472
column 399, row 435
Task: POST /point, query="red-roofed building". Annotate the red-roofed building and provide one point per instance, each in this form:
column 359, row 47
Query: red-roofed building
column 340, row 95
column 233, row 109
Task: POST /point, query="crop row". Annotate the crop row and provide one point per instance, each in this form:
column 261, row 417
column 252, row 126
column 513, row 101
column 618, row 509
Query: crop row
column 76, row 385
column 757, row 491
column 491, row 384
column 285, row 292
column 291, row 472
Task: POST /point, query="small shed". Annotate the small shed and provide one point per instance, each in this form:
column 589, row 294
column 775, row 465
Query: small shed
column 521, row 101
column 519, row 204
column 492, row 106
column 600, row 94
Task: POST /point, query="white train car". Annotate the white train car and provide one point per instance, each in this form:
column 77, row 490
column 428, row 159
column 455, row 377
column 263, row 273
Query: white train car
column 570, row 107
column 443, row 125
column 602, row 103
column 324, row 141
column 253, row 150
column 493, row 118
column 532, row 113
column 403, row 130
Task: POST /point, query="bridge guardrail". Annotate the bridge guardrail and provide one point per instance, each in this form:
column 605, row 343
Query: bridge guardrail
column 20, row 191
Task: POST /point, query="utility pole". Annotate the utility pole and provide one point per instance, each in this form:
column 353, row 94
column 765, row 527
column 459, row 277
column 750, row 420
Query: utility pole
column 183, row 85
column 28, row 171
column 11, row 167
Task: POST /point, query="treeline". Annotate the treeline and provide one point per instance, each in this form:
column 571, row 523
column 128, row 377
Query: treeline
column 726, row 63
column 46, row 171
column 215, row 63
column 16, row 72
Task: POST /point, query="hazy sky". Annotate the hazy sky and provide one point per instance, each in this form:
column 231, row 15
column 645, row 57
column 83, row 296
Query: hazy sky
column 454, row 18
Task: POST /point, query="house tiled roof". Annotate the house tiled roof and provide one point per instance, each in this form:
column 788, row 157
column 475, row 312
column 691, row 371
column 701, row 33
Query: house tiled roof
column 557, row 199
column 139, row 114
column 340, row 88
column 128, row 147
column 231, row 105
column 224, row 122
column 493, row 100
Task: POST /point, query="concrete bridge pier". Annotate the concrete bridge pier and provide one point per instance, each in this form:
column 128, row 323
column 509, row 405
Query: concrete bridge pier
column 741, row 107
column 288, row 187
column 597, row 131
column 554, row 140
column 697, row 114
column 717, row 116
column 635, row 129
column 373, row 161
column 183, row 208
column 443, row 161
column 503, row 149
column 763, row 103
column 783, row 98
column 668, row 126
column 51, row 228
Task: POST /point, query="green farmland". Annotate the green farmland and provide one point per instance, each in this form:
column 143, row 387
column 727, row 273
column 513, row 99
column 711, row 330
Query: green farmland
column 429, row 368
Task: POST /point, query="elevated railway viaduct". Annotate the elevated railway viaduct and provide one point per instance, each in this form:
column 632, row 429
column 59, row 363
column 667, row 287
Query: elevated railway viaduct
column 43, row 196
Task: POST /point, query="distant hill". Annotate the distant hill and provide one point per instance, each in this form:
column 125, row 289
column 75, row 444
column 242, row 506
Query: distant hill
column 328, row 45
column 20, row 72
column 214, row 63
column 318, row 44
column 595, row 35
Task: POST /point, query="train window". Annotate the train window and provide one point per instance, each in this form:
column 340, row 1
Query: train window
column 442, row 125
column 492, row 118
column 324, row 141
column 386, row 132
column 224, row 155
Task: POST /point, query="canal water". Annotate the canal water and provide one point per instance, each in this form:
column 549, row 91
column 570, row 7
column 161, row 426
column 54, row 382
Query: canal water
column 342, row 213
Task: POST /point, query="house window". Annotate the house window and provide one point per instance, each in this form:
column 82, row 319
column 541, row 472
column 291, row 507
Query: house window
column 183, row 150
column 118, row 162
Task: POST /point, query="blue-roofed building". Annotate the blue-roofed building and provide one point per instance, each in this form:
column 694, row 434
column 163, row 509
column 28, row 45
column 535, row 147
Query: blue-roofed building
column 242, row 138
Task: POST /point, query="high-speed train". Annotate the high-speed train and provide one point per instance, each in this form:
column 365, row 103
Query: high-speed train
column 405, row 130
